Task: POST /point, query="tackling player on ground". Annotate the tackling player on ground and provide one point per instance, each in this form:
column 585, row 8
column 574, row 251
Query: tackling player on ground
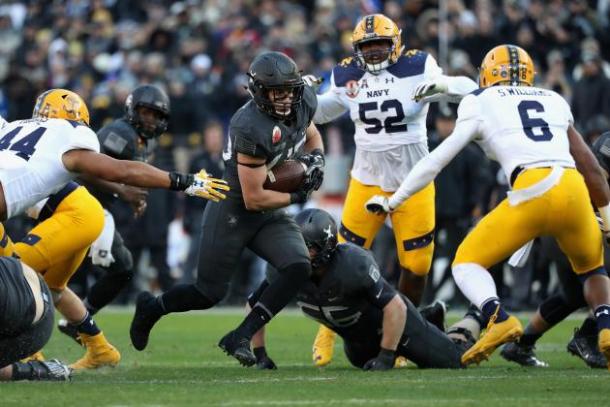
column 386, row 92
column 530, row 132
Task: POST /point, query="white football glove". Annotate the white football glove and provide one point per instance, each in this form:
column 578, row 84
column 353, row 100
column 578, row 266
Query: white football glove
column 313, row 81
column 430, row 88
column 379, row 205
column 207, row 187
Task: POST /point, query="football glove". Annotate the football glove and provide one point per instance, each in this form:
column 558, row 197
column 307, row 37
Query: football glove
column 313, row 81
column 301, row 196
column 314, row 175
column 383, row 361
column 263, row 361
column 430, row 88
column 204, row 186
column 378, row 205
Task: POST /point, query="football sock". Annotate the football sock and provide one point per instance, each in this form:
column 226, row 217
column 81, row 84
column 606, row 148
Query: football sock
column 588, row 327
column 602, row 316
column 183, row 297
column 555, row 309
column 87, row 326
column 275, row 297
column 475, row 282
column 490, row 307
column 106, row 288
column 530, row 336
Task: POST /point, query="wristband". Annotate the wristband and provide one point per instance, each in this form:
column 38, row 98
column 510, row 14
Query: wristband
column 180, row 182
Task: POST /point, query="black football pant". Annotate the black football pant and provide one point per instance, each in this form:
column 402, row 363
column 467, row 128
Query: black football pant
column 16, row 347
column 422, row 343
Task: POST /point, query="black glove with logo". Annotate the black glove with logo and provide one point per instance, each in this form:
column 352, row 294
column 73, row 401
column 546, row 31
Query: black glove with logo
column 383, row 361
column 315, row 169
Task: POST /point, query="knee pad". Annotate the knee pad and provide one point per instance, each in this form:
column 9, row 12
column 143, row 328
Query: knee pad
column 555, row 309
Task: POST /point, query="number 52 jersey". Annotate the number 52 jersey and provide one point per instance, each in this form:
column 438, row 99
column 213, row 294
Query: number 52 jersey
column 31, row 166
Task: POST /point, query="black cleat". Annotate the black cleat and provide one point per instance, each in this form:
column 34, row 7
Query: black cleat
column 69, row 330
column 145, row 317
column 435, row 314
column 523, row 355
column 585, row 347
column 239, row 347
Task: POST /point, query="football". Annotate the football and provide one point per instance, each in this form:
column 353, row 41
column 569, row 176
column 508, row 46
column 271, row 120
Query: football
column 286, row 177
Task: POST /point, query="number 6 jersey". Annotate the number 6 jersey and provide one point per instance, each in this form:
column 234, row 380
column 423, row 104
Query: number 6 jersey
column 31, row 166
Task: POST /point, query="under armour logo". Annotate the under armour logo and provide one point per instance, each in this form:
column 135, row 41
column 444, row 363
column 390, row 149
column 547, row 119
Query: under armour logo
column 388, row 80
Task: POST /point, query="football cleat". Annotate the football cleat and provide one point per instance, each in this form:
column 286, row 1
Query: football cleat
column 435, row 314
column 585, row 348
column 323, row 346
column 523, row 355
column 604, row 344
column 239, row 347
column 69, row 330
column 145, row 317
column 99, row 353
column 400, row 362
column 497, row 334
column 38, row 356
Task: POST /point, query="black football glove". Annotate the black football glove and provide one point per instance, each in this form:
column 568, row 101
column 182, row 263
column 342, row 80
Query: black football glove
column 383, row 361
column 314, row 175
column 301, row 196
column 263, row 361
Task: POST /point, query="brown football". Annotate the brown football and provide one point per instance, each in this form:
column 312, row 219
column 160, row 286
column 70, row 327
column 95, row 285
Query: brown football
column 285, row 177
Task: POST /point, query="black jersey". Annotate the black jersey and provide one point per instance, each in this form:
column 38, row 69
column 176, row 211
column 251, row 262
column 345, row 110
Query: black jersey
column 351, row 295
column 257, row 134
column 121, row 141
column 17, row 307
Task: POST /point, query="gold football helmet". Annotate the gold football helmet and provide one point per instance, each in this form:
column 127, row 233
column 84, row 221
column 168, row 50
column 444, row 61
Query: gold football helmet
column 506, row 65
column 376, row 27
column 61, row 104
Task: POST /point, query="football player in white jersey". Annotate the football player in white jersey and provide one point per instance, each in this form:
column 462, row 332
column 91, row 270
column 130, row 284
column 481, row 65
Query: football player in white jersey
column 386, row 92
column 38, row 158
column 530, row 132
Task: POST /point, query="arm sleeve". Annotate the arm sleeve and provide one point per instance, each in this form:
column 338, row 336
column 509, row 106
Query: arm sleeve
column 428, row 168
column 330, row 104
column 457, row 86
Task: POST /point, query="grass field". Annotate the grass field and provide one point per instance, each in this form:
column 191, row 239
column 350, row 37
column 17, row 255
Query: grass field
column 183, row 366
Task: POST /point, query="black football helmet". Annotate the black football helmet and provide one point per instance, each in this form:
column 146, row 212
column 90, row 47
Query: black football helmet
column 320, row 232
column 601, row 149
column 152, row 97
column 275, row 71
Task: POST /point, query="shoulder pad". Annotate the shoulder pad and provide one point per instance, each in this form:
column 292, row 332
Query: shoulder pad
column 411, row 63
column 311, row 100
column 118, row 139
column 347, row 70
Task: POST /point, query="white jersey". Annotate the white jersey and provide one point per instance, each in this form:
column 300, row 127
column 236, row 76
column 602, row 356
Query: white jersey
column 390, row 127
column 520, row 126
column 31, row 166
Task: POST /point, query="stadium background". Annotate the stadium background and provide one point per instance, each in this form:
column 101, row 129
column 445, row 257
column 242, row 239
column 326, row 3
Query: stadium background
column 199, row 51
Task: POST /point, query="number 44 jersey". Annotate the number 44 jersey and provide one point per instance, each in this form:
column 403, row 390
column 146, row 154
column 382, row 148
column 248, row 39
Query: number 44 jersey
column 520, row 126
column 31, row 166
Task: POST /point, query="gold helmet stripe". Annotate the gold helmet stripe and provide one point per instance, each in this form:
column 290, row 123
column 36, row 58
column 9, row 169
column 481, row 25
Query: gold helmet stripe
column 513, row 56
column 369, row 24
column 41, row 100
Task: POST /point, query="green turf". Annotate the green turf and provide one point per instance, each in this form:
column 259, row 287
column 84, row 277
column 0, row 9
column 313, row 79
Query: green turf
column 183, row 366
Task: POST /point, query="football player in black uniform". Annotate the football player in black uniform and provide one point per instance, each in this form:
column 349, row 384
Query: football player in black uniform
column 132, row 137
column 569, row 299
column 26, row 323
column 272, row 127
column 347, row 294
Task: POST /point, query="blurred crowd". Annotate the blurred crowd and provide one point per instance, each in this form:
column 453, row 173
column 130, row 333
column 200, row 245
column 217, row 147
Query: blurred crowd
column 199, row 51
